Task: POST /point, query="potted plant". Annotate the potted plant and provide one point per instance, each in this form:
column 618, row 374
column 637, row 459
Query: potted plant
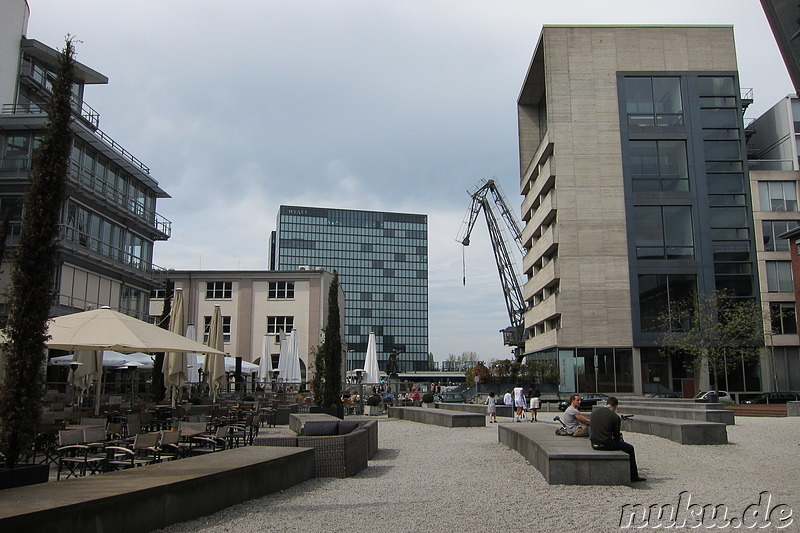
column 427, row 400
column 372, row 405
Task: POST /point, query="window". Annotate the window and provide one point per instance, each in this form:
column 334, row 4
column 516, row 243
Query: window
column 777, row 195
column 657, row 293
column 276, row 324
column 653, row 102
column 659, row 165
column 664, row 232
column 779, row 276
column 158, row 294
column 772, row 229
column 226, row 329
column 783, row 318
column 281, row 290
column 218, row 290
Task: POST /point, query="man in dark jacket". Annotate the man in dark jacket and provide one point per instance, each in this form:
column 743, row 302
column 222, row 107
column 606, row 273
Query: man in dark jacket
column 605, row 433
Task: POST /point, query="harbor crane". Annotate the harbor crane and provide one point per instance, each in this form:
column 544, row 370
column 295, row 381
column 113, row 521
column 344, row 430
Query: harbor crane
column 512, row 292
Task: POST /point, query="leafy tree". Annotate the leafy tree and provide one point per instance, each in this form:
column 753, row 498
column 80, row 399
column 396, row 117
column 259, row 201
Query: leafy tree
column 481, row 371
column 714, row 331
column 431, row 362
column 319, row 370
column 330, row 354
column 31, row 290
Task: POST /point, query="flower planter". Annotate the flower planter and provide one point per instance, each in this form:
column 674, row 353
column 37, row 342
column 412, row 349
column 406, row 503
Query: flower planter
column 23, row 474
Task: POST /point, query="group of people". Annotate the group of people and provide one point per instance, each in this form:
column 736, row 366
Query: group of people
column 603, row 428
column 517, row 400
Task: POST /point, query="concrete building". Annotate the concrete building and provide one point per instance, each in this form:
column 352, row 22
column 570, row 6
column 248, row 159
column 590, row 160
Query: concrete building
column 633, row 172
column 109, row 219
column 382, row 261
column 774, row 181
column 256, row 307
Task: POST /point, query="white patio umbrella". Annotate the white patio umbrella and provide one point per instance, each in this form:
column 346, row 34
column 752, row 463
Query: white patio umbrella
column 283, row 356
column 111, row 359
column 371, row 371
column 89, row 370
column 230, row 364
column 105, row 329
column 265, row 363
column 292, row 360
column 214, row 366
column 192, row 366
column 174, row 366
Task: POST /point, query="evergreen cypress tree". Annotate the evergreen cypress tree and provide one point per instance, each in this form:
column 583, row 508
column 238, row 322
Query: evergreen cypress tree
column 331, row 351
column 30, row 294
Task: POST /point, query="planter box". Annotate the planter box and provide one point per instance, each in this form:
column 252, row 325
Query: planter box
column 22, row 475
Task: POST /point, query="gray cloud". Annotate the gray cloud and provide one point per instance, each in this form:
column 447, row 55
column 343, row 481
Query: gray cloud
column 242, row 106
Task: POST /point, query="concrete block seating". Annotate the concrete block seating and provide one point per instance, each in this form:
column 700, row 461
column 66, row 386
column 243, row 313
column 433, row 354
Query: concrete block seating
column 479, row 408
column 153, row 497
column 565, row 460
column 342, row 448
column 792, row 408
column 680, row 409
column 438, row 417
column 681, row 421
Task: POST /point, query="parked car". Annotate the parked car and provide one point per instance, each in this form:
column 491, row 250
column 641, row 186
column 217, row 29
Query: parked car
column 588, row 401
column 775, row 397
column 723, row 396
column 664, row 395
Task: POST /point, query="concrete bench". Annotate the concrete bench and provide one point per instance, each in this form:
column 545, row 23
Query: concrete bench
column 677, row 430
column 565, row 460
column 153, row 497
column 438, row 417
column 478, row 408
column 680, row 412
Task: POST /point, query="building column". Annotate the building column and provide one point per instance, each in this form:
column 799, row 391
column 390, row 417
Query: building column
column 638, row 386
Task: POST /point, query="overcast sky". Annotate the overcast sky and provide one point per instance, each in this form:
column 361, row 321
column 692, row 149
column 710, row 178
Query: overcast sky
column 241, row 106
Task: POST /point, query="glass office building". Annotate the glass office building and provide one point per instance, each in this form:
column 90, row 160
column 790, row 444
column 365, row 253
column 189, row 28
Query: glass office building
column 382, row 261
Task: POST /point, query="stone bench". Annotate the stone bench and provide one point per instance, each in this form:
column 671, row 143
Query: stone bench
column 565, row 460
column 677, row 430
column 337, row 454
column 152, row 497
column 479, row 408
column 680, row 412
column 438, row 417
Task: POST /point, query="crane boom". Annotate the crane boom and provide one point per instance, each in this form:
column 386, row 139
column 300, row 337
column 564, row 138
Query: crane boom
column 512, row 292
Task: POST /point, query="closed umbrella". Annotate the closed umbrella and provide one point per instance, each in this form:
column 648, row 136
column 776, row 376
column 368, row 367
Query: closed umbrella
column 174, row 366
column 105, row 329
column 283, row 361
column 214, row 366
column 192, row 365
column 292, row 360
column 89, row 370
column 371, row 371
column 265, row 363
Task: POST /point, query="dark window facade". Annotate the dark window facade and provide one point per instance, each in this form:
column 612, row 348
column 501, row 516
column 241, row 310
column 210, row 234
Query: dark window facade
column 382, row 261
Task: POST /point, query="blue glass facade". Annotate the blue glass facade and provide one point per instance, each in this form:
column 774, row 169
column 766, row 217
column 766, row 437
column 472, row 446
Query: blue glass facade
column 382, row 261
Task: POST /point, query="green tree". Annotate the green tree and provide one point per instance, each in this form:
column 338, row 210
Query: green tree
column 713, row 331
column 330, row 354
column 31, row 291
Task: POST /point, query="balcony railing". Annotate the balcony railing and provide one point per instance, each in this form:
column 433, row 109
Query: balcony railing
column 87, row 181
column 40, row 109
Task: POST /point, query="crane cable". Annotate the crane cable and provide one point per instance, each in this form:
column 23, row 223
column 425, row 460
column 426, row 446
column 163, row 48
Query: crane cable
column 463, row 266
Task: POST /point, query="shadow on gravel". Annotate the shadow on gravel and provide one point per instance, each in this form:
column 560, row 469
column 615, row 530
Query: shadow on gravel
column 374, row 471
column 385, row 454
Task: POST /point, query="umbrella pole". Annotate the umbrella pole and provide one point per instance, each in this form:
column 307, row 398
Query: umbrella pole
column 98, row 394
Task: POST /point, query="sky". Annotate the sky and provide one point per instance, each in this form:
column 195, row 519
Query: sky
column 239, row 107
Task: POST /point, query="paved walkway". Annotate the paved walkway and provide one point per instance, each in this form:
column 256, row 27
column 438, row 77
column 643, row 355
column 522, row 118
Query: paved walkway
column 461, row 479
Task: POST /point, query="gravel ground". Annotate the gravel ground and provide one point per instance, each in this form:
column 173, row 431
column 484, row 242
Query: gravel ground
column 461, row 479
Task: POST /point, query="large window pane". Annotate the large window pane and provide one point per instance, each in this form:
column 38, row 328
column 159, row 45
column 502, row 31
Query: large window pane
column 667, row 95
column 658, row 292
column 777, row 195
column 649, row 232
column 639, row 95
column 771, row 229
column 719, row 118
column 728, row 217
column 716, row 86
column 678, row 232
column 779, row 276
column 725, row 183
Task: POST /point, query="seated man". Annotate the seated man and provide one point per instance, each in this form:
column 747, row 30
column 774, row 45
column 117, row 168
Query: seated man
column 573, row 418
column 605, row 434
